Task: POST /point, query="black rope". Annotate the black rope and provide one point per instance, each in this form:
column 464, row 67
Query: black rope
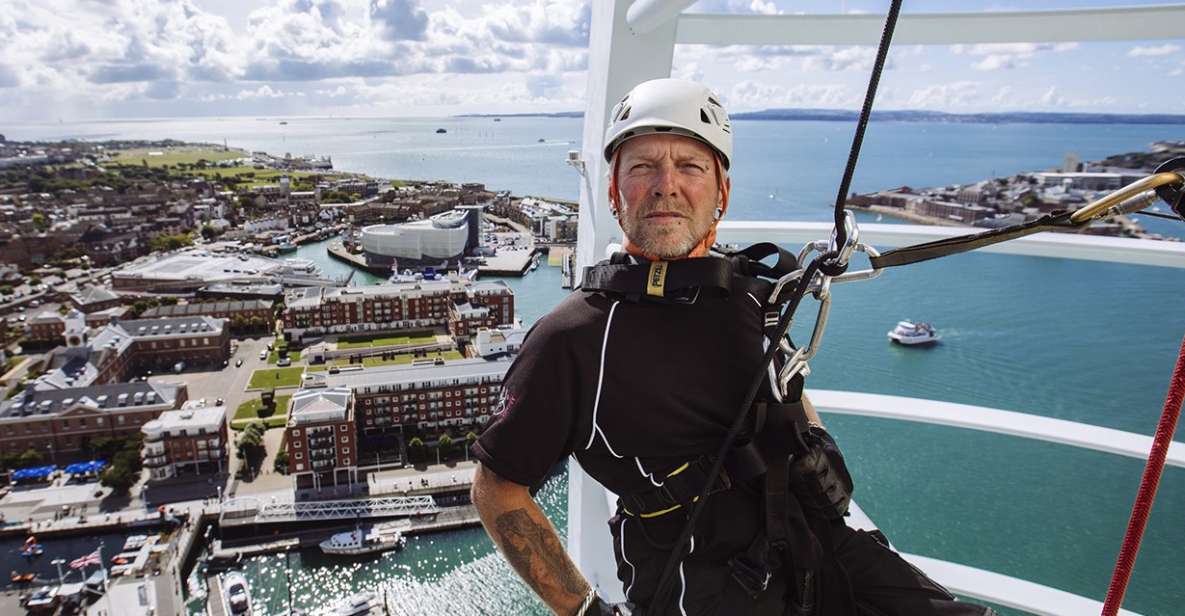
column 831, row 267
column 1156, row 215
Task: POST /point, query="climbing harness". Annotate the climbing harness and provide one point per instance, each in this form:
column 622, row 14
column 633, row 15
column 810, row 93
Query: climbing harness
column 827, row 266
column 785, row 365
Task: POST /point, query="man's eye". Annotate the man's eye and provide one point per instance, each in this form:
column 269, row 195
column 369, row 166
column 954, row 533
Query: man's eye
column 694, row 168
column 640, row 167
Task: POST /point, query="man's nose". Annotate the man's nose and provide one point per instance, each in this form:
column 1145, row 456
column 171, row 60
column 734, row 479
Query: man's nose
column 664, row 181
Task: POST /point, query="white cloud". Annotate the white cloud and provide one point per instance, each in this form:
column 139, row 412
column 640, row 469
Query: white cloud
column 998, row 56
column 755, row 95
column 1167, row 49
column 953, row 95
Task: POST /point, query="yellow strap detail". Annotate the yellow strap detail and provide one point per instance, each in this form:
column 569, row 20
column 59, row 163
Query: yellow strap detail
column 655, row 514
column 657, row 278
column 679, row 470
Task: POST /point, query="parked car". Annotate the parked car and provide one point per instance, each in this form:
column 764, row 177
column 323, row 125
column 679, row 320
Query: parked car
column 263, row 355
column 238, row 362
column 284, row 361
column 219, row 402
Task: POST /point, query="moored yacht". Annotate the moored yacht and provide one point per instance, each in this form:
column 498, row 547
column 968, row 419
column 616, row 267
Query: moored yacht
column 236, row 593
column 364, row 540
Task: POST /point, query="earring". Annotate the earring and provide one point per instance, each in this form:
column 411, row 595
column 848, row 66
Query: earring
column 719, row 213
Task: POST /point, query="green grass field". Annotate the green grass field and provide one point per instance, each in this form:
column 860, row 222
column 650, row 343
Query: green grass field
column 174, row 156
column 249, row 412
column 274, row 356
column 385, row 341
column 276, row 377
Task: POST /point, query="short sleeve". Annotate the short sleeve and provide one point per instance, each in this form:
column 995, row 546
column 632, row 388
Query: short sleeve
column 534, row 417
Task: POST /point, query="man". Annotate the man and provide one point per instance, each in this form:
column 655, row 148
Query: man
column 642, row 386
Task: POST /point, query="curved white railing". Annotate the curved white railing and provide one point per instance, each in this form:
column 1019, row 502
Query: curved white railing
column 589, row 502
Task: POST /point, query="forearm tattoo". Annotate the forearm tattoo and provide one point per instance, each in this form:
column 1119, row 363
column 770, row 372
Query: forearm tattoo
column 536, row 553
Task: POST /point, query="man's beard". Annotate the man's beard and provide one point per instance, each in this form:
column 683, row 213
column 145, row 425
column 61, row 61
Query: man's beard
column 661, row 240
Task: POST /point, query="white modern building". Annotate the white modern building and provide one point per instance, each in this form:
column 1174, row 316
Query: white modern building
column 443, row 238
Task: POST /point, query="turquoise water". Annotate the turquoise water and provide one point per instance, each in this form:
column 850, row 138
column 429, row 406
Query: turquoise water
column 1084, row 341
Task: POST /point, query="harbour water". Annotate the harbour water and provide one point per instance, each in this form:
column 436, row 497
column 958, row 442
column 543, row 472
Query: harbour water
column 1091, row 342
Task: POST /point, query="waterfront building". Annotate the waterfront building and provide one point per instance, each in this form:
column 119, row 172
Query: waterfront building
column 440, row 240
column 190, row 440
column 66, row 421
column 424, row 396
column 190, row 270
column 320, row 438
column 398, row 306
column 123, row 349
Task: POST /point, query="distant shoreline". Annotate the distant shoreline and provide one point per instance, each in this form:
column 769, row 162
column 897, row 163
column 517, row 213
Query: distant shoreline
column 844, row 115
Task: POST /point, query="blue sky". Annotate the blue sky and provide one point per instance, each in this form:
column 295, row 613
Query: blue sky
column 81, row 60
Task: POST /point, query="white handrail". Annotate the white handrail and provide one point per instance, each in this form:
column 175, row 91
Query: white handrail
column 1129, row 23
column 985, row 419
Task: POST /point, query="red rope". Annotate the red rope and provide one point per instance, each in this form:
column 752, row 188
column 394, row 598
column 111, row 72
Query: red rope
column 1147, row 493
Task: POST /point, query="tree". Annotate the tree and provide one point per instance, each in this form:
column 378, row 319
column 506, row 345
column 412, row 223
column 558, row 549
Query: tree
column 119, row 478
column 281, row 463
column 30, row 457
column 208, row 232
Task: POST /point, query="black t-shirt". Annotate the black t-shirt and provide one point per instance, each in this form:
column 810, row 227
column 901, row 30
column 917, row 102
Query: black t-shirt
column 633, row 390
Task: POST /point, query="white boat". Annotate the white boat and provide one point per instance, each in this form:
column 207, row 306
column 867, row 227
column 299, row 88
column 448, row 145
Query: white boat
column 364, row 540
column 359, row 604
column 910, row 333
column 236, row 593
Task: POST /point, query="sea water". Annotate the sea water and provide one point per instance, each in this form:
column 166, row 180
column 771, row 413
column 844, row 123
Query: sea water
column 1085, row 341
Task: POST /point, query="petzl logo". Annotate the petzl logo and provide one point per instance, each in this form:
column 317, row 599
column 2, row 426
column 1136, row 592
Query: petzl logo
column 657, row 278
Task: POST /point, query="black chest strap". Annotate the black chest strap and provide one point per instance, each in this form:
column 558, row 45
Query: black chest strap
column 660, row 280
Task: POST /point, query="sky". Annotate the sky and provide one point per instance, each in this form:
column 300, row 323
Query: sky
column 74, row 60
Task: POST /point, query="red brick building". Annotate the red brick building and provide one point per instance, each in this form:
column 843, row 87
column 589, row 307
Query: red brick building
column 60, row 423
column 191, row 440
column 394, row 307
column 321, row 438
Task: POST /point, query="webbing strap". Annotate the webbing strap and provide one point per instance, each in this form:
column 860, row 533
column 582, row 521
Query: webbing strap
column 1059, row 220
column 637, row 280
column 749, row 260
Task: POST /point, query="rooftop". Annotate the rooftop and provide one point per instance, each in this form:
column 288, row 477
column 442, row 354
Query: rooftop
column 189, row 417
column 319, row 405
column 424, row 374
column 207, row 307
column 112, row 397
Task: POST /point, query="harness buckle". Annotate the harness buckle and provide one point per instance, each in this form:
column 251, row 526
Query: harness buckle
column 754, row 578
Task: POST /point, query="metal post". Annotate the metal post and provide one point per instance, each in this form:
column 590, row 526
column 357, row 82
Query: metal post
column 57, row 562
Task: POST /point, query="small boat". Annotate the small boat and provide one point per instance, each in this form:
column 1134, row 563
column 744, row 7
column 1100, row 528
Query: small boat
column 441, row 131
column 32, row 549
column 497, row 119
column 542, row 140
column 283, row 122
column 287, row 247
column 237, row 593
column 364, row 540
column 359, row 604
column 22, row 578
column 910, row 333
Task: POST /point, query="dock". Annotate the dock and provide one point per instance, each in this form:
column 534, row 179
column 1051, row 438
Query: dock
column 214, row 602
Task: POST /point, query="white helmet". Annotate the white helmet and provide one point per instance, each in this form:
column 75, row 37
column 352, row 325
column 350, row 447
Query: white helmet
column 671, row 106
